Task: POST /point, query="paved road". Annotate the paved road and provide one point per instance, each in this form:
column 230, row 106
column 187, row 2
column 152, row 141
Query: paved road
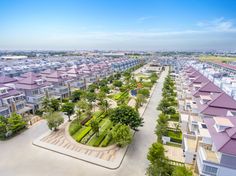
column 18, row 157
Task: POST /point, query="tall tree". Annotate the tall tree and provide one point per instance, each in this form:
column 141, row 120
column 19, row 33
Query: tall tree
column 158, row 163
column 126, row 115
column 122, row 135
column 16, row 122
column 91, row 97
column 54, row 120
column 3, row 127
column 69, row 109
column 54, row 104
column 46, row 105
column 82, row 104
column 76, row 95
column 140, row 99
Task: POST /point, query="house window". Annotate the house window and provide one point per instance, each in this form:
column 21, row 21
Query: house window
column 35, row 92
column 4, row 112
column 210, row 170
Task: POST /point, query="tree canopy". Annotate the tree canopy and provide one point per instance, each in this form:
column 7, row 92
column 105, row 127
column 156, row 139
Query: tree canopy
column 76, row 95
column 68, row 109
column 122, row 135
column 54, row 120
column 126, row 115
column 181, row 171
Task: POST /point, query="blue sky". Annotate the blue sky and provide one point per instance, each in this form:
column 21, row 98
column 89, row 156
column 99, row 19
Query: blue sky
column 122, row 25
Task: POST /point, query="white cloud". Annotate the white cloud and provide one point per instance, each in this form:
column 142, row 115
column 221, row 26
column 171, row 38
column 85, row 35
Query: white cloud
column 219, row 24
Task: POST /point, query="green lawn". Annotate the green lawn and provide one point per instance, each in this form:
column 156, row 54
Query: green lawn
column 173, row 144
column 217, row 58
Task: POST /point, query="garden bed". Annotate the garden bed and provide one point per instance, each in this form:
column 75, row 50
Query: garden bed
column 85, row 135
column 175, row 136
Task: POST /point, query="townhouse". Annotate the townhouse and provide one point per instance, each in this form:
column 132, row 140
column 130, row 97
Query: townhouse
column 24, row 91
column 11, row 100
column 207, row 123
column 33, row 87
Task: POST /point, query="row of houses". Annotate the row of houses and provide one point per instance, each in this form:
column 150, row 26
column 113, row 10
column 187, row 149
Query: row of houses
column 25, row 93
column 208, row 124
column 220, row 74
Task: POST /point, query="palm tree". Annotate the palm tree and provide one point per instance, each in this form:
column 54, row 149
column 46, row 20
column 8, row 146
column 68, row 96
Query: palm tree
column 104, row 105
column 78, row 114
column 140, row 99
column 88, row 110
column 95, row 127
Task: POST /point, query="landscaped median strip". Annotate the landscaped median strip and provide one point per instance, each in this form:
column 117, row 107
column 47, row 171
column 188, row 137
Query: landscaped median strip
column 160, row 164
column 89, row 146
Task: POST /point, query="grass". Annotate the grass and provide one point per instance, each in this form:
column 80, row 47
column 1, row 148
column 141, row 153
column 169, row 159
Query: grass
column 217, row 58
column 147, row 84
column 173, row 144
column 176, row 136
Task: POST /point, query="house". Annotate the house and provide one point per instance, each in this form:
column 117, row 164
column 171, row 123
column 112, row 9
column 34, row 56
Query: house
column 12, row 100
column 205, row 103
column 218, row 157
column 33, row 87
column 61, row 84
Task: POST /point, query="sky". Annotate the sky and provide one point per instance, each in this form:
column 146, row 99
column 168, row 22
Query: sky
column 162, row 25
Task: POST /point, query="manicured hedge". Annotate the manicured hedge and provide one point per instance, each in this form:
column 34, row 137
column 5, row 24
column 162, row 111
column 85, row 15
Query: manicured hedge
column 87, row 137
column 96, row 140
column 175, row 136
column 84, row 121
column 97, row 115
column 74, row 127
column 177, row 140
column 106, row 140
column 82, row 133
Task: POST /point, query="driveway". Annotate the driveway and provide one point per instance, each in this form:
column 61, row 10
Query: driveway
column 20, row 158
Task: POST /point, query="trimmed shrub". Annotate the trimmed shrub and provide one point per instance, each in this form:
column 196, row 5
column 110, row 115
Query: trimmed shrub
column 84, row 121
column 87, row 137
column 82, row 133
column 106, row 140
column 96, row 140
column 74, row 127
column 175, row 136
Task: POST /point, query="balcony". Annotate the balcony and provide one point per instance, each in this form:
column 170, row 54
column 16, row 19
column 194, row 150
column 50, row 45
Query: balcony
column 62, row 90
column 208, row 155
column 78, row 84
column 36, row 99
column 208, row 168
column 190, row 143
